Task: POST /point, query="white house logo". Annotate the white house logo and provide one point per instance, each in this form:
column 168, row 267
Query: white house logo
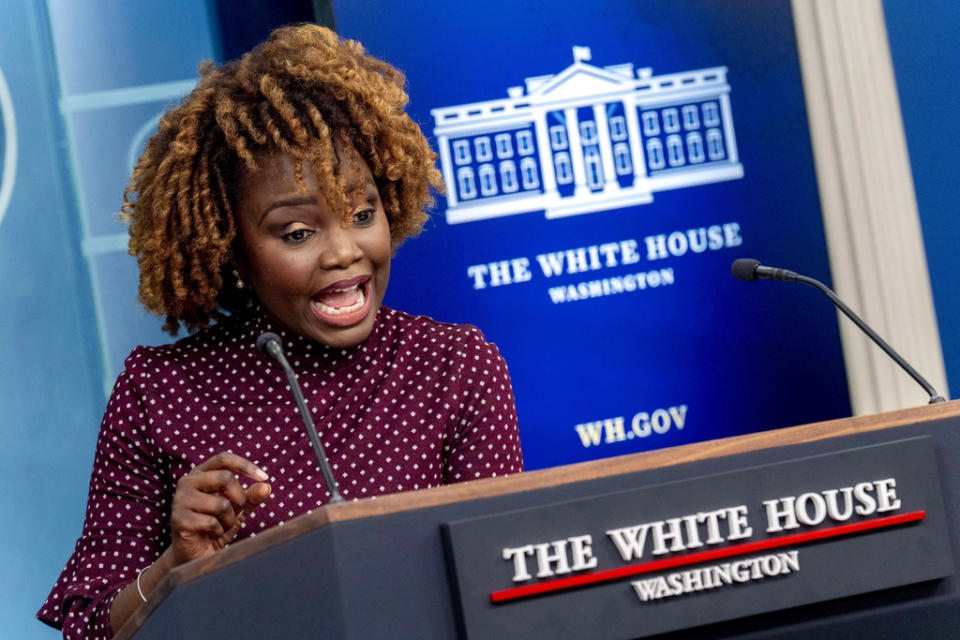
column 586, row 139
column 8, row 146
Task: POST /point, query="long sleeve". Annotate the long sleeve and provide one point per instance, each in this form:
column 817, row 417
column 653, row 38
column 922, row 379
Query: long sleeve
column 487, row 442
column 126, row 519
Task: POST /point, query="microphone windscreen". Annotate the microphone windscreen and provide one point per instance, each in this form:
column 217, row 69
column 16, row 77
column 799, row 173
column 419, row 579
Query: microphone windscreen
column 266, row 338
column 745, row 269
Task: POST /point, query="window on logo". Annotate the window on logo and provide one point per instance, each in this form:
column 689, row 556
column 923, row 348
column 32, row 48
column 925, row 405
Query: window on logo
column 591, row 160
column 564, row 171
column 651, row 123
column 461, row 151
column 482, row 147
column 675, row 151
column 691, row 117
column 671, row 122
column 621, row 158
column 468, row 189
column 588, row 132
column 711, row 115
column 504, row 145
column 715, row 144
column 528, row 173
column 488, row 180
column 618, row 128
column 524, row 143
column 508, row 176
column 655, row 159
column 558, row 136
column 694, row 147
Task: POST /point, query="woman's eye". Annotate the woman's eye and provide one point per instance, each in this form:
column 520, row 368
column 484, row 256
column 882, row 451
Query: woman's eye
column 296, row 236
column 364, row 218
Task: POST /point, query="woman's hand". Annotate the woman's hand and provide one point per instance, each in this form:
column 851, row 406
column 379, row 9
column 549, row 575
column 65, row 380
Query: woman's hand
column 209, row 505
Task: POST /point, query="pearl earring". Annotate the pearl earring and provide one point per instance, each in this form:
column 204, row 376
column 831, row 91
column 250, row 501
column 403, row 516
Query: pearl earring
column 240, row 283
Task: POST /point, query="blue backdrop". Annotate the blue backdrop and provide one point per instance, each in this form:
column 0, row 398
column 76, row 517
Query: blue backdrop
column 707, row 342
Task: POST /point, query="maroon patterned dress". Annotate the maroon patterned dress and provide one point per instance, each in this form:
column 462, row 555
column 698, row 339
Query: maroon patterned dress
column 418, row 404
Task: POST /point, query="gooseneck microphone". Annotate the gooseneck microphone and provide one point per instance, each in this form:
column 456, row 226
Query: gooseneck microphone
column 269, row 345
column 751, row 271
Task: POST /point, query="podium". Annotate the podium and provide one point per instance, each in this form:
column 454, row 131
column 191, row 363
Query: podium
column 839, row 529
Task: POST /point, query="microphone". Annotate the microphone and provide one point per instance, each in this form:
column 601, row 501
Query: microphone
column 269, row 345
column 751, row 270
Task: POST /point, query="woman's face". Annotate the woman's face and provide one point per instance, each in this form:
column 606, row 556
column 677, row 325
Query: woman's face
column 320, row 277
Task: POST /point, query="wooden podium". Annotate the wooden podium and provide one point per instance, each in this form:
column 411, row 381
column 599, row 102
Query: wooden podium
column 383, row 568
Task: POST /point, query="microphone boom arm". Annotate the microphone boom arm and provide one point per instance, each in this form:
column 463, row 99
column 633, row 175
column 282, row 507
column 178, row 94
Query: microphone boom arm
column 847, row 311
column 276, row 352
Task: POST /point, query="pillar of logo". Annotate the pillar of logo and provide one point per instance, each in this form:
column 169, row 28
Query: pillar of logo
column 586, row 139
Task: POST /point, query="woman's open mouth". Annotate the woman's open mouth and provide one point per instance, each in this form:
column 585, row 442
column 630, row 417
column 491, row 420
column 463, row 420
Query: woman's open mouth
column 343, row 303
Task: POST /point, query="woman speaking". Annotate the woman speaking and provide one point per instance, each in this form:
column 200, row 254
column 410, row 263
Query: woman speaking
column 272, row 199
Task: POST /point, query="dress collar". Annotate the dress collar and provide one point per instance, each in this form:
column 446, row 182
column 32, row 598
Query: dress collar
column 295, row 346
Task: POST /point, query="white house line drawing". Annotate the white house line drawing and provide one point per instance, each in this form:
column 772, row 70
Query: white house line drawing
column 586, row 139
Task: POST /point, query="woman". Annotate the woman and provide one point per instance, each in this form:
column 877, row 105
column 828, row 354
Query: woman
column 277, row 192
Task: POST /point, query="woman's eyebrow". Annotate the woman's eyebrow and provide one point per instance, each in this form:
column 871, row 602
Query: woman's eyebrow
column 288, row 202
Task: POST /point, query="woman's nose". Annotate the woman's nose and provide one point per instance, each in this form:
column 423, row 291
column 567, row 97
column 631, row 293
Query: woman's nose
column 340, row 249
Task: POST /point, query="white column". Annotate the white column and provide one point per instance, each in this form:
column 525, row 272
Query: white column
column 637, row 156
column 876, row 250
column 576, row 152
column 729, row 137
column 606, row 147
column 541, row 125
column 446, row 165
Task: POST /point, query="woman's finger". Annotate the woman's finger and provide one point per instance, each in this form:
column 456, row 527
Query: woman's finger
column 255, row 495
column 214, row 505
column 187, row 523
column 216, row 481
column 235, row 463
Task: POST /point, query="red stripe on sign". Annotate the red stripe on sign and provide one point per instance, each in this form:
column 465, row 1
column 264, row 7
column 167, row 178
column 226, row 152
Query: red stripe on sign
column 703, row 556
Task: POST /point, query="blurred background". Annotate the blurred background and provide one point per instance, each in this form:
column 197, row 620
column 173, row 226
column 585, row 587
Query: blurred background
column 696, row 356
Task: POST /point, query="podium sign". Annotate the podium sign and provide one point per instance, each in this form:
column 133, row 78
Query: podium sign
column 705, row 549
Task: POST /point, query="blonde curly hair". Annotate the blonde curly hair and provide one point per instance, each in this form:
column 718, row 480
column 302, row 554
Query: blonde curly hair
column 298, row 93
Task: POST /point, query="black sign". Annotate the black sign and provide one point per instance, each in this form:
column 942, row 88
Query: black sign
column 672, row 556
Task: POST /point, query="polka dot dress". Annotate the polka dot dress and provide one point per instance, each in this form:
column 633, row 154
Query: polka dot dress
column 419, row 404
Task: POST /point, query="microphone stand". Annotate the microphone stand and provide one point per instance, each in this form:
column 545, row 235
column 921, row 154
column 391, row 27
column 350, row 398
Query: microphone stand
column 269, row 344
column 847, row 311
